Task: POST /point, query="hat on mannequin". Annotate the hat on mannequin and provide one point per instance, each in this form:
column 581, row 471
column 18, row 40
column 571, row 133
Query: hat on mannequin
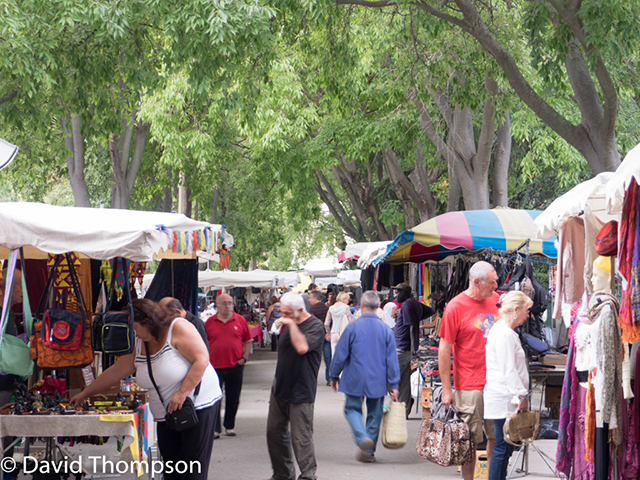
column 602, row 274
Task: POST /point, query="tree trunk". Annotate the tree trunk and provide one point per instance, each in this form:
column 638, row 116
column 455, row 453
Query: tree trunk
column 330, row 199
column 167, row 199
column 355, row 202
column 126, row 163
column 182, row 194
column 396, row 176
column 500, row 174
column 74, row 140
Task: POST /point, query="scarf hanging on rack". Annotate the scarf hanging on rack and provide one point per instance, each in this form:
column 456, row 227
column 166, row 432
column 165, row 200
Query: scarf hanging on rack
column 629, row 264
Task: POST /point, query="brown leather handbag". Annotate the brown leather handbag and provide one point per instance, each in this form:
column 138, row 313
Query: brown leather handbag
column 521, row 426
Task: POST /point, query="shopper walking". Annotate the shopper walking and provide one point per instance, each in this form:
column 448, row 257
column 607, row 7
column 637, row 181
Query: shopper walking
column 337, row 314
column 293, row 393
column 366, row 358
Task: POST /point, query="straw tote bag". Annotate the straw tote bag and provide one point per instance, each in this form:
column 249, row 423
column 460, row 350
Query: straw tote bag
column 394, row 426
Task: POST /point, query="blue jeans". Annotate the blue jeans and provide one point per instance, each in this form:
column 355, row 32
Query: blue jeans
column 326, row 351
column 353, row 414
column 501, row 453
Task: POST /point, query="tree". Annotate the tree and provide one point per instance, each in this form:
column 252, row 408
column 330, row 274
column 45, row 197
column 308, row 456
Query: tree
column 570, row 44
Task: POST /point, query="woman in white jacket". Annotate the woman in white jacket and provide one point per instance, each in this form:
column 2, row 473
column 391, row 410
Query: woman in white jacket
column 337, row 312
column 507, row 376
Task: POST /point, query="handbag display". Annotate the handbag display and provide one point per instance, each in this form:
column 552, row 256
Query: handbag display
column 15, row 354
column 446, row 442
column 48, row 348
column 394, row 426
column 521, row 426
column 63, row 329
column 118, row 335
column 186, row 417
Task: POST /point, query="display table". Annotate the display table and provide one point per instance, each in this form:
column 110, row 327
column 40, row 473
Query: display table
column 130, row 428
column 256, row 333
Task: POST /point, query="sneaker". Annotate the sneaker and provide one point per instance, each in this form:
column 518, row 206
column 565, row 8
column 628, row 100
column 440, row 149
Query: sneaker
column 216, row 435
column 230, row 433
column 365, row 454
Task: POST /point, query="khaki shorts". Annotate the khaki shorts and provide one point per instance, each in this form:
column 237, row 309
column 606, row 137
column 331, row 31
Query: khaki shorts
column 470, row 408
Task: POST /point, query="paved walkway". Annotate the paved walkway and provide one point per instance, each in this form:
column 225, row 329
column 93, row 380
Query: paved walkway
column 245, row 456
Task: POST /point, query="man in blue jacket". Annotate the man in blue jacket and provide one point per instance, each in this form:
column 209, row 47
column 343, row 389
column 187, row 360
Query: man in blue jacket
column 366, row 357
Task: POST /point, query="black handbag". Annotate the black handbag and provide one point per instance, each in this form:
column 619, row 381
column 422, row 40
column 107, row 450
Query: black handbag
column 118, row 335
column 186, row 417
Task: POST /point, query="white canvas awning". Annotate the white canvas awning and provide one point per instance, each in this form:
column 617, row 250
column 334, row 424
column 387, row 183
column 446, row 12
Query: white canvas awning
column 98, row 233
column 589, row 196
column 602, row 196
column 209, row 279
column 321, row 266
column 349, row 278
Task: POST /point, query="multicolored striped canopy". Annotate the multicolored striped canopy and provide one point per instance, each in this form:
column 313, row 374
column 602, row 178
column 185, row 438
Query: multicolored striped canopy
column 500, row 229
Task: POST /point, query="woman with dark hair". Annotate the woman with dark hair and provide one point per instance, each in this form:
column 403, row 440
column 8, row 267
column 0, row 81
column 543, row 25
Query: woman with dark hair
column 180, row 363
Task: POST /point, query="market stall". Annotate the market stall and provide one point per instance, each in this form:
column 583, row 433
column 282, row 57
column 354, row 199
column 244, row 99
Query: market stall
column 498, row 229
column 597, row 223
column 34, row 236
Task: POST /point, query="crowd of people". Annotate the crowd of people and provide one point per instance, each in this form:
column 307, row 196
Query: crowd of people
column 477, row 335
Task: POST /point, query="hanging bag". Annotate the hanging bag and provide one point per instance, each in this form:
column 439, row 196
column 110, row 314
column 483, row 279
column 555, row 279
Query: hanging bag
column 186, row 417
column 55, row 335
column 15, row 355
column 63, row 329
column 118, row 335
column 521, row 426
column 394, row 426
column 445, row 442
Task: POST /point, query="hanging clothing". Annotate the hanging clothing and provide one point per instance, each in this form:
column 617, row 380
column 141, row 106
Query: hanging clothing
column 571, row 260
column 603, row 310
column 568, row 410
column 592, row 226
column 629, row 262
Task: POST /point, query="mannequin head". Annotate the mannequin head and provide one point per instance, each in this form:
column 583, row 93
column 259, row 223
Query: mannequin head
column 602, row 274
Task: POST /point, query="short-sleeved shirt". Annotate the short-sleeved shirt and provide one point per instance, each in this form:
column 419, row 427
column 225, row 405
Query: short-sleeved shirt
column 409, row 314
column 297, row 375
column 465, row 324
column 226, row 340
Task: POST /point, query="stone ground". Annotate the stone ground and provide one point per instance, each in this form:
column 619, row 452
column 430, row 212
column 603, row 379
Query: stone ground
column 245, row 456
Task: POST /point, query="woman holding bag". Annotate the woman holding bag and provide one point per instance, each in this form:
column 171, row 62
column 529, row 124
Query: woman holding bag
column 179, row 363
column 507, row 376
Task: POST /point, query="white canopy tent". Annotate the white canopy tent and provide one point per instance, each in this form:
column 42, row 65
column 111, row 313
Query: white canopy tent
column 213, row 280
column 349, row 278
column 321, row 266
column 602, row 196
column 98, row 233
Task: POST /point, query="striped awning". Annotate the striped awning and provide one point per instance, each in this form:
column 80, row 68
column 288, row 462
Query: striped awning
column 499, row 229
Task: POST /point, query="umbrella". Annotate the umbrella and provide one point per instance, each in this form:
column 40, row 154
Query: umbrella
column 500, row 229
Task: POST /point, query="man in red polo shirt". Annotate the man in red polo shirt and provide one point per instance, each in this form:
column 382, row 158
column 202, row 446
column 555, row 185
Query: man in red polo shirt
column 229, row 349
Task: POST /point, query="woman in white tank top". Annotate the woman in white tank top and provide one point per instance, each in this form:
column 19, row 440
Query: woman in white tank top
column 180, row 361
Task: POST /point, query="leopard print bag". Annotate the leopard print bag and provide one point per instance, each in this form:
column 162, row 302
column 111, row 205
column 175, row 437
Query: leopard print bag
column 446, row 441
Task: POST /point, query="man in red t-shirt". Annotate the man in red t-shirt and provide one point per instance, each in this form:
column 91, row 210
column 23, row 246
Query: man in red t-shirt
column 466, row 322
column 229, row 348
